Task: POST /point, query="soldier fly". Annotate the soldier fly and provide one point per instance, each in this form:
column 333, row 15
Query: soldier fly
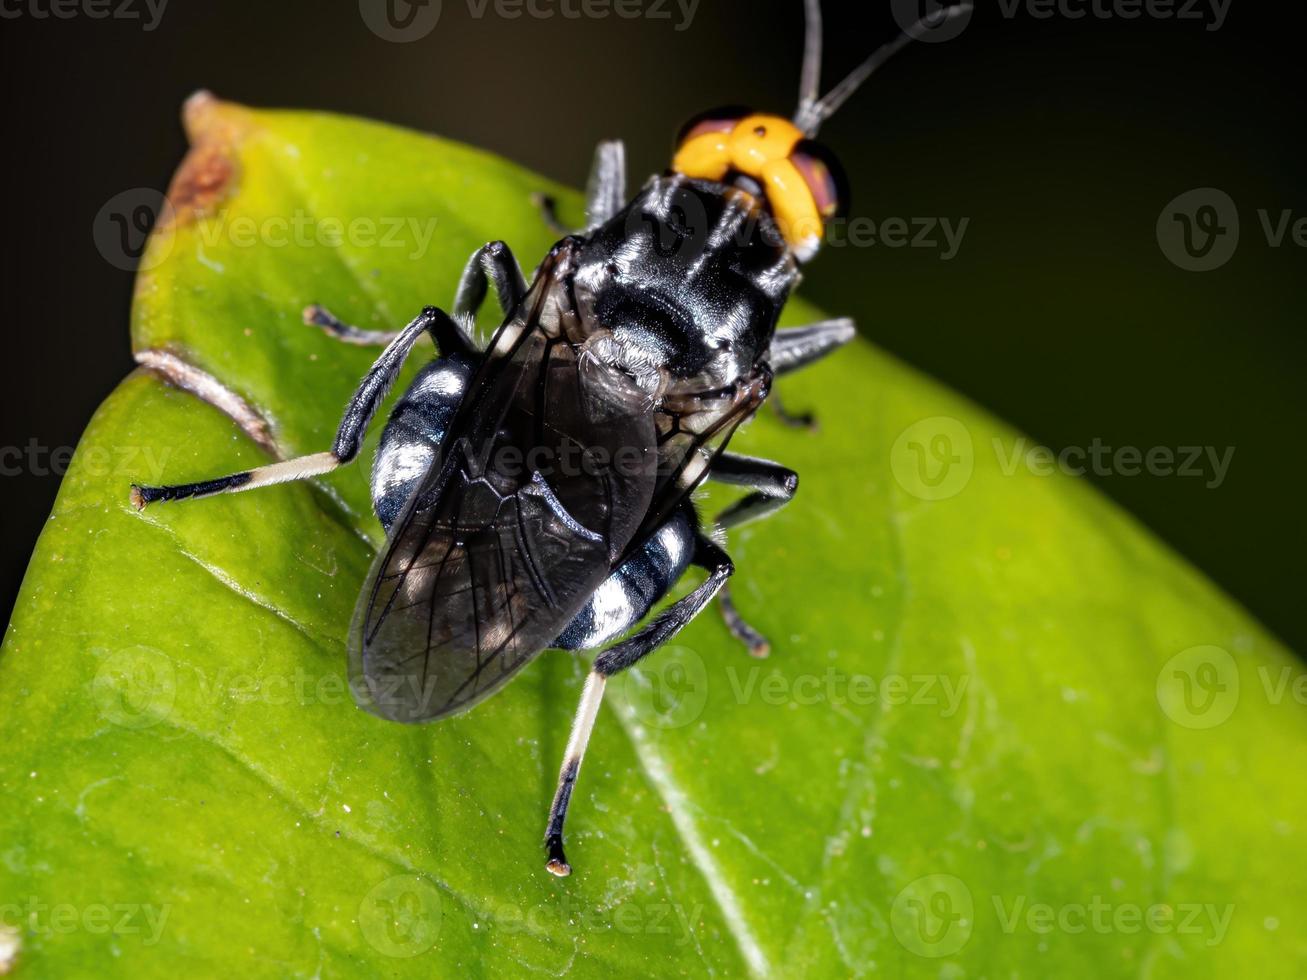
column 537, row 494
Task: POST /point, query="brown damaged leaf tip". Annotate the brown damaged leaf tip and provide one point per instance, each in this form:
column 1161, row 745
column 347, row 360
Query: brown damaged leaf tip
column 207, row 173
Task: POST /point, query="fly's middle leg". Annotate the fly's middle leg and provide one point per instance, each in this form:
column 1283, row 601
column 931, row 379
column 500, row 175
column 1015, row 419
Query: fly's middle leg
column 349, row 436
column 772, row 486
column 797, row 347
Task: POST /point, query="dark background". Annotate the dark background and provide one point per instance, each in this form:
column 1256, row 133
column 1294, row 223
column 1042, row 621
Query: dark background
column 1061, row 139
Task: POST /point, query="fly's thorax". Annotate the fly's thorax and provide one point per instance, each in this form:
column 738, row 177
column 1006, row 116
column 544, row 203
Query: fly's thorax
column 683, row 288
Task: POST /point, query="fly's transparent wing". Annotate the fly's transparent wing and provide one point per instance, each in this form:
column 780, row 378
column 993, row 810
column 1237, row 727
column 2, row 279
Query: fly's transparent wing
column 546, row 474
column 693, row 428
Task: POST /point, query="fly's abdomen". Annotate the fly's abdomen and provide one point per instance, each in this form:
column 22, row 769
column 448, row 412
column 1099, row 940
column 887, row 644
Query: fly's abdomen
column 627, row 595
column 414, row 432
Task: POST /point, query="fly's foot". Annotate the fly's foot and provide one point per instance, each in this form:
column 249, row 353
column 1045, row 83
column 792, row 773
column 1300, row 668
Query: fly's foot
column 795, row 420
column 557, row 864
column 548, row 208
column 757, row 644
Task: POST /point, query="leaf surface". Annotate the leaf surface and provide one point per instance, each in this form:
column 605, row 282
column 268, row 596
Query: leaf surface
column 1003, row 731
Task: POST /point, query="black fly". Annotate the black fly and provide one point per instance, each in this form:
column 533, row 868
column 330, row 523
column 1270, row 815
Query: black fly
column 537, row 494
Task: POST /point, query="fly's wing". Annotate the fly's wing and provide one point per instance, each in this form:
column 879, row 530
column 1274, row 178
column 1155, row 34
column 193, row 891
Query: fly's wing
column 693, row 428
column 545, row 475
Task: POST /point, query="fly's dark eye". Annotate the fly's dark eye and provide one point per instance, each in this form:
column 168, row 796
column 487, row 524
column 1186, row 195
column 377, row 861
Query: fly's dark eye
column 720, row 120
column 824, row 177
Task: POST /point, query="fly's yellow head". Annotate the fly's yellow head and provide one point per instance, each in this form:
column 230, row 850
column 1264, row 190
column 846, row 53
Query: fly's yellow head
column 800, row 180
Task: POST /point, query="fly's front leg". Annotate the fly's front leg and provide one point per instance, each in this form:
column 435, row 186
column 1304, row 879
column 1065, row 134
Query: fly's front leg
column 797, row 347
column 614, row 660
column 773, row 486
column 492, row 264
column 605, row 190
column 349, row 436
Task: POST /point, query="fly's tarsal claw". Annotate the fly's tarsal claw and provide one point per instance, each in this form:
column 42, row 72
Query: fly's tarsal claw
column 557, row 864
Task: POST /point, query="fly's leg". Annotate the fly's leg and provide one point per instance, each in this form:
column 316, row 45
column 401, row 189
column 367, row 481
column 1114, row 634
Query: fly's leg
column 317, row 316
column 547, row 205
column 605, row 190
column 586, row 712
column 492, row 263
column 797, row 347
column 800, row 420
column 614, row 660
column 349, row 437
column 773, row 486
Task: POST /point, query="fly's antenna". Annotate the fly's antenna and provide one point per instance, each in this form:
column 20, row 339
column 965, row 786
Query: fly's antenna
column 810, row 77
column 814, row 111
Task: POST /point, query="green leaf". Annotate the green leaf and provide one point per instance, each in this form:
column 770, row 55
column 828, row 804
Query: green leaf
column 1003, row 732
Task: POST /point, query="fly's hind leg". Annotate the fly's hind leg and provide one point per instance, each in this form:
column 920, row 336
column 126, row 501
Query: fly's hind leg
column 349, row 436
column 605, row 190
column 632, row 589
column 772, row 486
